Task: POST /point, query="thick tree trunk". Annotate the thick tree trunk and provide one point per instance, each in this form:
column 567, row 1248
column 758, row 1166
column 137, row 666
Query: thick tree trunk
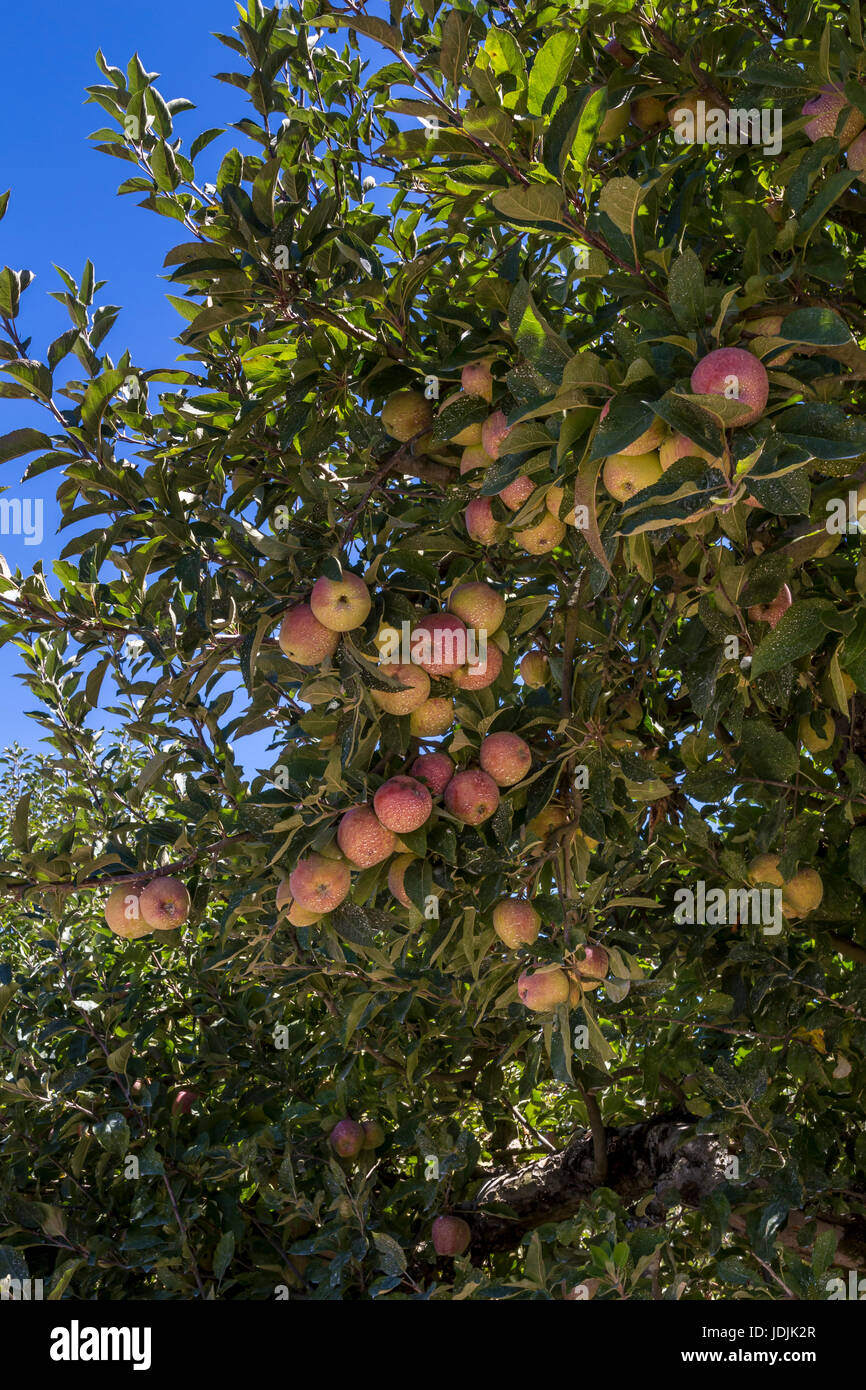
column 661, row 1155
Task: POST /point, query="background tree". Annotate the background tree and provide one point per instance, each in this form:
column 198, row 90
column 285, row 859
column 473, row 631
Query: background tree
column 692, row 699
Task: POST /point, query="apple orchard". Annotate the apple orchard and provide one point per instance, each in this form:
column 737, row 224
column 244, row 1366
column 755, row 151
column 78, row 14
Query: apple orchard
column 488, row 486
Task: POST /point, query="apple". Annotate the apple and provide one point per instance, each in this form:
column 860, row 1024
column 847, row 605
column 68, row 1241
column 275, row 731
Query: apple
column 297, row 915
column 363, row 838
column 856, row 154
column 737, row 372
column 494, row 432
column 647, row 112
column 403, row 804
column 476, row 379
column 444, row 645
column 505, row 757
column 319, row 884
column 341, row 604
column 679, row 446
column 406, row 414
column 122, row 912
column 472, row 796
column 621, row 54
column 435, row 770
column 433, row 718
column 646, row 442
column 802, row 893
column 164, row 903
column 347, row 1138
column 541, row 990
column 478, row 674
column 688, row 102
column 478, row 605
column 481, row 524
column 304, row 639
column 396, row 872
column 470, row 435
column 516, row 922
column 517, row 492
column 534, row 669
column 817, row 740
column 626, row 474
column 593, row 965
column 417, row 690
column 771, row 613
column 473, row 460
column 374, row 1134
column 825, row 110
column 183, row 1100
column 541, row 538
column 765, row 869
column 451, row 1235
column 548, row 820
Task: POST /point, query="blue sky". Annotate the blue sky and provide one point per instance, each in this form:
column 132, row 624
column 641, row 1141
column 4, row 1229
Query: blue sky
column 64, row 209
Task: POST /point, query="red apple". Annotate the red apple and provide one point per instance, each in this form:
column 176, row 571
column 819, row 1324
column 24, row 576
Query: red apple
column 320, row 884
column 439, row 644
column 363, row 838
column 403, row 804
column 435, row 770
column 506, row 757
column 451, row 1235
column 738, row 373
column 164, row 903
column 304, row 639
column 472, row 796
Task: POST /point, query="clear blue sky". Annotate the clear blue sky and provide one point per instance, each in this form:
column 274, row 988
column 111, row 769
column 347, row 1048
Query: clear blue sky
column 63, row 206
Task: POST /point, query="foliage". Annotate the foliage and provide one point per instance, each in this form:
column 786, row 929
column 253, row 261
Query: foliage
column 205, row 496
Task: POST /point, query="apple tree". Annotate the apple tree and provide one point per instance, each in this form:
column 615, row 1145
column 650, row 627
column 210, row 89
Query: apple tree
column 526, row 968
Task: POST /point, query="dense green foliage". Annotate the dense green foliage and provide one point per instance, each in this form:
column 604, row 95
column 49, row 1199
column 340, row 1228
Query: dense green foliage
column 216, row 489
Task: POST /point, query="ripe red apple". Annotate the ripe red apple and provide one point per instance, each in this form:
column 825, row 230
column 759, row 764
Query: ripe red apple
column 304, row 639
column 444, row 644
column 374, row 1134
column 516, row 922
column 123, row 913
column 341, row 604
column 405, row 414
column 396, row 873
column 481, row 524
column 619, row 52
column 494, row 432
column 737, row 372
column 183, row 1100
column 541, row 990
column 363, row 838
column 433, row 718
column 297, row 915
column 164, row 903
column 472, row 796
column 347, row 1138
column 517, row 492
column 476, row 379
column 646, row 442
column 534, row 669
column 856, row 154
column 506, row 757
column 545, row 535
column 406, row 700
column 825, row 110
column 403, row 804
column 478, row 605
column 451, row 1235
column 320, row 884
column 772, row 612
column 435, row 770
column 478, row 674
column 593, row 965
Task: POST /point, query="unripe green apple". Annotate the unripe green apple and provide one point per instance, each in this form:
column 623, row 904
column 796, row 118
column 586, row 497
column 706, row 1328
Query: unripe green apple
column 820, row 739
column 405, row 414
column 341, row 604
column 545, row 535
column 404, row 701
column 516, row 922
column 647, row 112
column 470, row 436
column 624, row 475
column 534, row 669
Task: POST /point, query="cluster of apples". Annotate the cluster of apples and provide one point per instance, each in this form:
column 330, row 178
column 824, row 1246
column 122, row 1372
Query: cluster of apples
column 548, row 986
column 643, row 462
column 162, row 905
column 349, row 1137
column 801, row 894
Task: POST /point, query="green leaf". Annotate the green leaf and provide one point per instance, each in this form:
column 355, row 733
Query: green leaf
column 800, row 630
column 113, row 1134
column 223, row 1254
column 550, row 68
column 392, row 1258
column 686, row 291
column 823, row 327
column 19, row 442
column 118, row 1059
column 771, row 755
